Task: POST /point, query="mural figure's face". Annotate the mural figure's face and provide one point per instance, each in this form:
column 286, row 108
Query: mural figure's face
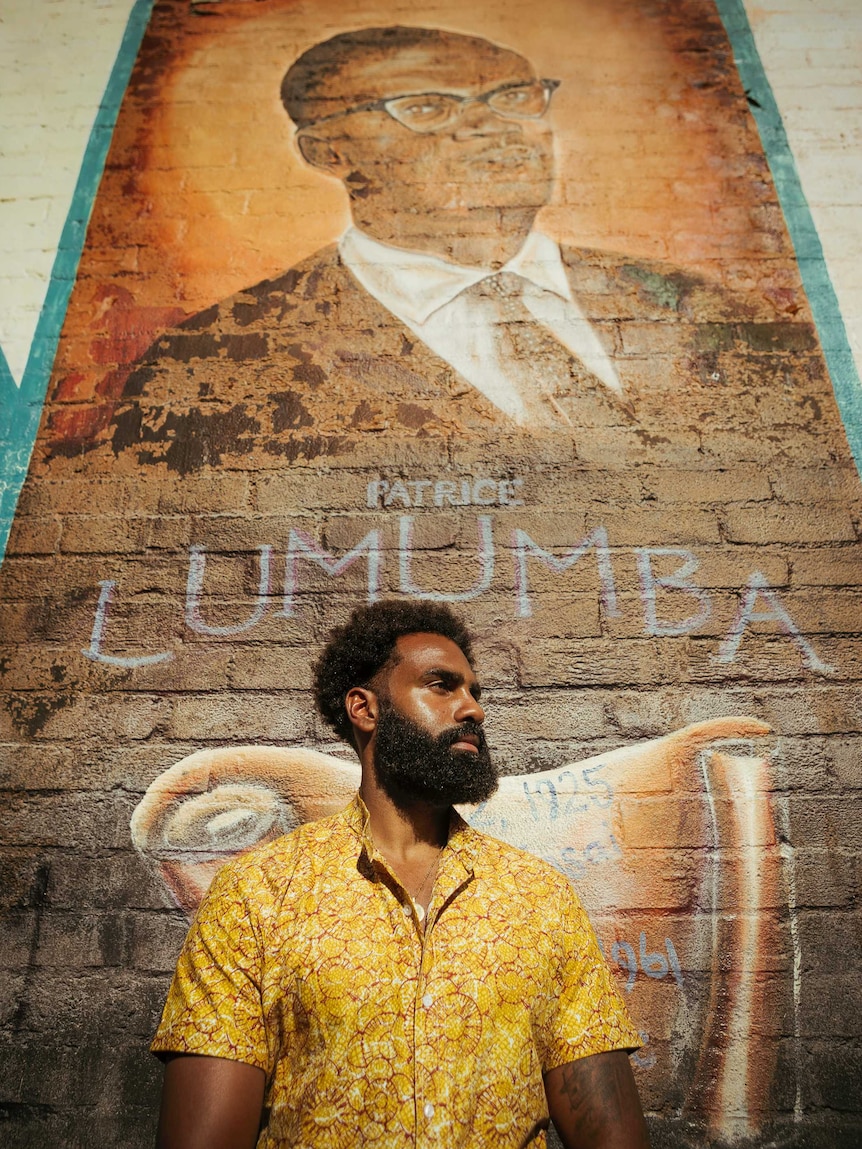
column 406, row 183
column 428, row 742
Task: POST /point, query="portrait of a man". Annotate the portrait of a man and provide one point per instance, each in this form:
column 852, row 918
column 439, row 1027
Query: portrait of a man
column 442, row 310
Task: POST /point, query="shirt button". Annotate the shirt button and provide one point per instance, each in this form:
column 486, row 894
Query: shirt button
column 427, row 1000
column 428, row 1110
column 406, row 910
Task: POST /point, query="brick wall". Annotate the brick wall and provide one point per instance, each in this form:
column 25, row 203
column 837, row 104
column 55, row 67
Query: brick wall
column 239, row 443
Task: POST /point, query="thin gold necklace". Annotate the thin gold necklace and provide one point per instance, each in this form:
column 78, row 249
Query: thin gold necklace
column 420, row 909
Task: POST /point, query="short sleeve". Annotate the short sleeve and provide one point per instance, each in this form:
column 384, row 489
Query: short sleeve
column 214, row 1004
column 584, row 1012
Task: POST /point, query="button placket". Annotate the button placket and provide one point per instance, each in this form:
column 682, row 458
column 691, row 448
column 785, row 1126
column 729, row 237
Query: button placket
column 424, row 1062
column 392, row 891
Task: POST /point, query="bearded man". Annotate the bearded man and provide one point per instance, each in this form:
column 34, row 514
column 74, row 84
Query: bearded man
column 390, row 976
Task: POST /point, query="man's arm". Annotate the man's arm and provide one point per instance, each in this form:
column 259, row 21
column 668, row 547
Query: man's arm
column 210, row 1103
column 594, row 1103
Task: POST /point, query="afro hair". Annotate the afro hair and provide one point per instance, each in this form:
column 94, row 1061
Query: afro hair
column 356, row 651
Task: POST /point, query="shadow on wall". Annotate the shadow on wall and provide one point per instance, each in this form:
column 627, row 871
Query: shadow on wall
column 671, row 844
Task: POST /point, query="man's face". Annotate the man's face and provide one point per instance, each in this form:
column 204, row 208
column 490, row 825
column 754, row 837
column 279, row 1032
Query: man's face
column 481, row 161
column 429, row 744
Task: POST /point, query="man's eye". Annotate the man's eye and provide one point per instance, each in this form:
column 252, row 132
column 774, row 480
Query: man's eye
column 427, row 108
column 513, row 97
column 422, row 110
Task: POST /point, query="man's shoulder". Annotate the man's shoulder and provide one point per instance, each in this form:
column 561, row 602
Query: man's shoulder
column 633, row 286
column 259, row 305
column 536, row 877
column 271, row 864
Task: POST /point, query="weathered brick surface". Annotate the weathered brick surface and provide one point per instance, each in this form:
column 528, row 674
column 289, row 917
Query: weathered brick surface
column 689, row 554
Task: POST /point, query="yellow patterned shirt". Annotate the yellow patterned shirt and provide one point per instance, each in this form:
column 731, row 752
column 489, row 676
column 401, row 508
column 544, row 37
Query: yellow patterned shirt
column 306, row 959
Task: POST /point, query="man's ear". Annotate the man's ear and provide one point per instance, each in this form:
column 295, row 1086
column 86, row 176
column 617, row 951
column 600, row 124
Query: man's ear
column 322, row 154
column 362, row 708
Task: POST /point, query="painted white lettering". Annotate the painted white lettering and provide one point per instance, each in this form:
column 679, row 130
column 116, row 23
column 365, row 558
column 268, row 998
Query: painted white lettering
column 523, row 546
column 485, row 556
column 678, row 581
column 195, row 587
column 419, row 487
column 507, row 492
column 481, row 492
column 94, row 650
column 444, row 490
column 376, row 488
column 397, row 491
column 489, row 485
column 758, row 587
column 300, row 545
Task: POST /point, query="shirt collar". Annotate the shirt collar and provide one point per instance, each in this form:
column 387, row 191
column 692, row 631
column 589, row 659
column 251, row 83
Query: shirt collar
column 413, row 284
column 462, row 837
column 357, row 819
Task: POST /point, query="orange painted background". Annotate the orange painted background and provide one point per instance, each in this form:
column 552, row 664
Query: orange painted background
column 205, row 192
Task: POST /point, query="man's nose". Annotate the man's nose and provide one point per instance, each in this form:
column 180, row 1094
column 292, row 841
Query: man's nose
column 469, row 709
column 477, row 119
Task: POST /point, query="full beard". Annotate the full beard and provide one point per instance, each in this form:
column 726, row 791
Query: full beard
column 412, row 765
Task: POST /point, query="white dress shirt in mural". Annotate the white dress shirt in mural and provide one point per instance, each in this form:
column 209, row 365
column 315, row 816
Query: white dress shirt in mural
column 430, row 296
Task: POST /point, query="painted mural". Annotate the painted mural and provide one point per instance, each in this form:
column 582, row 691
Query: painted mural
column 466, row 306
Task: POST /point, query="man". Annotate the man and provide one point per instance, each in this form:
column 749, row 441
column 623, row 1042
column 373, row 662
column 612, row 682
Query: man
column 442, row 311
column 389, row 976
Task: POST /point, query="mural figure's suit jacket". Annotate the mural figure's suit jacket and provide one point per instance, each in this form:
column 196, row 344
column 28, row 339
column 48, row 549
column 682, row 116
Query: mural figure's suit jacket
column 300, row 366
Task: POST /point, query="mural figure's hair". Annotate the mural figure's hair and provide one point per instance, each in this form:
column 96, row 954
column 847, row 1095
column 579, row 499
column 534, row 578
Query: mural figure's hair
column 304, row 87
column 357, row 651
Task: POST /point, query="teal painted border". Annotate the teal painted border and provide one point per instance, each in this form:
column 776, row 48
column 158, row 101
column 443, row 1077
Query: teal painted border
column 803, row 234
column 21, row 407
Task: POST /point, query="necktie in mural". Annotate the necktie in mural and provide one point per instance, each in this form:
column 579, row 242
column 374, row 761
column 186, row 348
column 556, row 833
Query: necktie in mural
column 538, row 372
column 540, row 383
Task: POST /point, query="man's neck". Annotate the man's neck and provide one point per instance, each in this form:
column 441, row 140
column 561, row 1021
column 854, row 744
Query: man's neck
column 486, row 238
column 401, row 832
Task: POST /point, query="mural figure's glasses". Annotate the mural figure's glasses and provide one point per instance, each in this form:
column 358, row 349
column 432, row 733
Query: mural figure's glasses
column 437, row 111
